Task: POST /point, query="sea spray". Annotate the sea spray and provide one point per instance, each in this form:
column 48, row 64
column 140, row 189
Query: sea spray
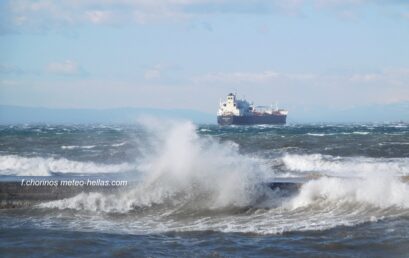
column 381, row 190
column 181, row 168
column 345, row 166
column 350, row 190
column 40, row 166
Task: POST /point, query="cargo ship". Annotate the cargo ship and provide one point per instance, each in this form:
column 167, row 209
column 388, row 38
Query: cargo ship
column 235, row 111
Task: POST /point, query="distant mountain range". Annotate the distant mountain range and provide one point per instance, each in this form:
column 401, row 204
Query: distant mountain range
column 395, row 112
column 375, row 113
column 18, row 115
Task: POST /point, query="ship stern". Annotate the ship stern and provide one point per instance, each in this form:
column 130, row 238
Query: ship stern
column 225, row 120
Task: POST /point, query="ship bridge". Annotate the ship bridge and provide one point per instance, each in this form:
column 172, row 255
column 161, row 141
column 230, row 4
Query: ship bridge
column 234, row 106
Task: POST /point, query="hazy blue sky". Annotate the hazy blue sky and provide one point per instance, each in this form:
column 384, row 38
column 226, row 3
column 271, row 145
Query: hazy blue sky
column 305, row 54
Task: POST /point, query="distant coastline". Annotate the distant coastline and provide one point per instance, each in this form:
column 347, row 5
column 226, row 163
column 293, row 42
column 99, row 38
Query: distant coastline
column 9, row 114
column 19, row 114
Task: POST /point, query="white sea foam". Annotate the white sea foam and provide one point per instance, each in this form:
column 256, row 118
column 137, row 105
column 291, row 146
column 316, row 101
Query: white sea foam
column 185, row 174
column 377, row 189
column 181, row 167
column 360, row 133
column 317, row 134
column 72, row 147
column 393, row 143
column 345, row 166
column 118, row 144
column 39, row 166
column 320, row 204
column 342, row 133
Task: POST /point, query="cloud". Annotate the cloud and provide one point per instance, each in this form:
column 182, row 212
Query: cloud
column 324, row 89
column 267, row 76
column 98, row 17
column 10, row 69
column 238, row 77
column 391, row 77
column 337, row 3
column 8, row 83
column 386, row 75
column 67, row 68
column 160, row 71
column 151, row 74
column 364, row 78
column 355, row 3
column 47, row 15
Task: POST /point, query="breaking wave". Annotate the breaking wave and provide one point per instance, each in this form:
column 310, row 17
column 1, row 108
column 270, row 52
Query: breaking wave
column 375, row 189
column 191, row 182
column 320, row 204
column 39, row 166
column 181, row 168
column 345, row 166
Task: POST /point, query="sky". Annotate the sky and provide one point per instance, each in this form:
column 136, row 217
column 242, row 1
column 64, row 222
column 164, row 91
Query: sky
column 307, row 55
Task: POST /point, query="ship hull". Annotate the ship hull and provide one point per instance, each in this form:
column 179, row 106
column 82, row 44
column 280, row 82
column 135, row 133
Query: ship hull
column 251, row 120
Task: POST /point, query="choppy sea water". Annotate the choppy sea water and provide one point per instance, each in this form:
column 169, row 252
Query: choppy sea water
column 201, row 190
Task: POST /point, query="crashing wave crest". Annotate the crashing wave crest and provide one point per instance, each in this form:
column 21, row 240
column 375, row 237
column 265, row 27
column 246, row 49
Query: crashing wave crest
column 39, row 166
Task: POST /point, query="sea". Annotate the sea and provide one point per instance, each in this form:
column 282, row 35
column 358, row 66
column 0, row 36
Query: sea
column 204, row 190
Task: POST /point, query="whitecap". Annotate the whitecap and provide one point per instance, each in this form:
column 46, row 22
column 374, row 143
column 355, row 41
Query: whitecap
column 72, row 147
column 345, row 166
column 119, row 144
column 39, row 166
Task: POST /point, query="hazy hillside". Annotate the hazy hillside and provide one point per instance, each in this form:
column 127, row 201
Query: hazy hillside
column 14, row 114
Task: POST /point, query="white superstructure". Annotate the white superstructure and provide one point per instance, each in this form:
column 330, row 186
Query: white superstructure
column 240, row 107
column 233, row 106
